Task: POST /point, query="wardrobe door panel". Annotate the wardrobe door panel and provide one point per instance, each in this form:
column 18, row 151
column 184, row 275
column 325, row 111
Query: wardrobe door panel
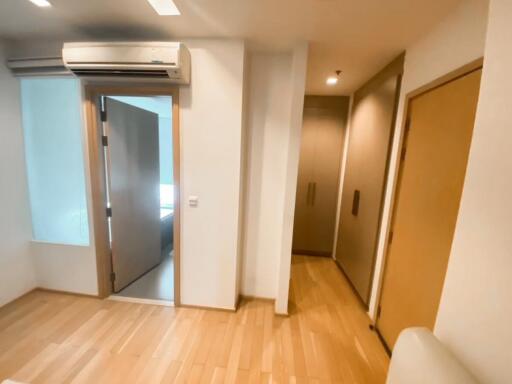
column 329, row 146
column 303, row 208
column 318, row 180
column 368, row 149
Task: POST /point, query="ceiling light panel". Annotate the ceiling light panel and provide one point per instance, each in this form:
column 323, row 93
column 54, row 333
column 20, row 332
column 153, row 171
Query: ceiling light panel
column 164, row 7
column 41, row 3
column 331, row 80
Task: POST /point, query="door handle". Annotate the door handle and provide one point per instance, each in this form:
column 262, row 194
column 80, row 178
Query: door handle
column 313, row 197
column 355, row 202
column 308, row 196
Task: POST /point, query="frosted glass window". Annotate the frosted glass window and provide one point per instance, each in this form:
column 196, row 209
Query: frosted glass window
column 55, row 164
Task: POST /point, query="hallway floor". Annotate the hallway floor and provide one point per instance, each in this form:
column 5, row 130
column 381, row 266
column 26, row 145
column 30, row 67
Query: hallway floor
column 157, row 284
column 58, row 338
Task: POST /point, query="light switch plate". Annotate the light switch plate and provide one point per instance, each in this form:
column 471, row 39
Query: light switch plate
column 193, row 201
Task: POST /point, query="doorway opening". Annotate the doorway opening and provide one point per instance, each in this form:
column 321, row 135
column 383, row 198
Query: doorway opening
column 134, row 156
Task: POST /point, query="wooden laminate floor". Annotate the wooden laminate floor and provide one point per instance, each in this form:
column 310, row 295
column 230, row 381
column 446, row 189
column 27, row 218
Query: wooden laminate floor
column 57, row 338
column 157, row 284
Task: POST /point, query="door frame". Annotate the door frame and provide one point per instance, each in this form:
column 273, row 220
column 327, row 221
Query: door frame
column 92, row 92
column 439, row 82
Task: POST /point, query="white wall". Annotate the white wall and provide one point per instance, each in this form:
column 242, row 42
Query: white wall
column 454, row 42
column 475, row 315
column 298, row 89
column 16, row 271
column 268, row 134
column 243, row 175
column 63, row 267
column 274, row 121
column 211, row 145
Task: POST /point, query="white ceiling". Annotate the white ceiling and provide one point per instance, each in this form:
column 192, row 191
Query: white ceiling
column 356, row 36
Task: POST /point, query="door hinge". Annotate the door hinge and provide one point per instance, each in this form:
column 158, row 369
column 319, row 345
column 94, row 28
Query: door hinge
column 402, row 155
column 112, row 276
column 379, row 309
column 104, row 140
column 407, row 124
column 103, row 115
column 109, row 211
column 390, row 240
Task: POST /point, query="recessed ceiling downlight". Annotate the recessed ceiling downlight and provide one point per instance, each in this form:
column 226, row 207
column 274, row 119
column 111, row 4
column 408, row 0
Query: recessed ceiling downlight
column 41, row 3
column 333, row 80
column 165, row 7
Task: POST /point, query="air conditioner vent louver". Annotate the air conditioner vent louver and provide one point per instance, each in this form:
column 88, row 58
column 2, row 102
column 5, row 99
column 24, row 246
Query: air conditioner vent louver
column 122, row 73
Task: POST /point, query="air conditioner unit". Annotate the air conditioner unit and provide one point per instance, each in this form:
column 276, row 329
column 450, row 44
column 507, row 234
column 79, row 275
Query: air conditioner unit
column 147, row 60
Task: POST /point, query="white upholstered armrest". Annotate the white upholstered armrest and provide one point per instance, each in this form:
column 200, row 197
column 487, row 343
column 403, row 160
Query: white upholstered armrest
column 420, row 358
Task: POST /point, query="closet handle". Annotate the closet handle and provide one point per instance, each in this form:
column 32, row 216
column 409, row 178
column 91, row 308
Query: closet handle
column 308, row 197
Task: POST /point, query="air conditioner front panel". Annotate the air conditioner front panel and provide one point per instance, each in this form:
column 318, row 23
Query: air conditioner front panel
column 165, row 60
column 121, row 66
column 116, row 54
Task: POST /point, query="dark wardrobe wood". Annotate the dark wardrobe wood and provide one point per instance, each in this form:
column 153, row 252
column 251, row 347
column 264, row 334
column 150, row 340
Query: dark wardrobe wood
column 323, row 133
column 372, row 122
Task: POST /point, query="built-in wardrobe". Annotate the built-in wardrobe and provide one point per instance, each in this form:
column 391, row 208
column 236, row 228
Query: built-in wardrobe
column 371, row 128
column 323, row 134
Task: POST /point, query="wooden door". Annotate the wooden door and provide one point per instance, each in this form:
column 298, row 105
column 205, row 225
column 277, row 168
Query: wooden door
column 134, row 175
column 432, row 173
column 318, row 180
column 361, row 206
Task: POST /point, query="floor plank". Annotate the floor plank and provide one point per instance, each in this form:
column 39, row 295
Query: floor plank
column 56, row 338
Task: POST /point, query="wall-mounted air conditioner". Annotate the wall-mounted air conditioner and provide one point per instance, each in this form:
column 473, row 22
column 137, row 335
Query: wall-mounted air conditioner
column 138, row 60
